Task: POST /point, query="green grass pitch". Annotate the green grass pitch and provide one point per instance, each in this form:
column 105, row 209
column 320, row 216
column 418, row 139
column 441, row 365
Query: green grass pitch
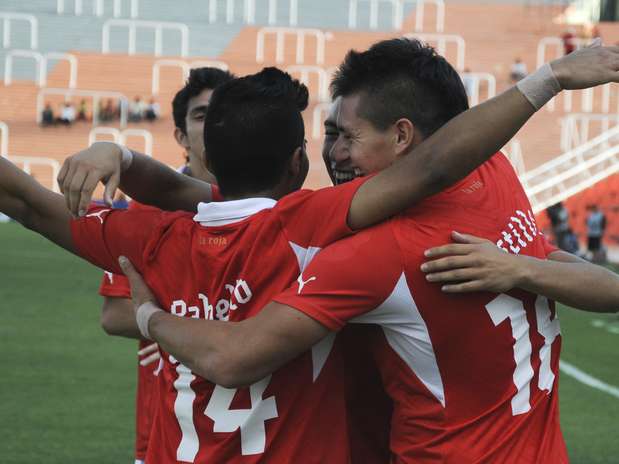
column 67, row 390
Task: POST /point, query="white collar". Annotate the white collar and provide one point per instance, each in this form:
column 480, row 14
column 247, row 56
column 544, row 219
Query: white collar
column 227, row 212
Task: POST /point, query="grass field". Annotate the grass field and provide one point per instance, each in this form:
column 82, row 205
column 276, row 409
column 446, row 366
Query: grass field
column 67, row 389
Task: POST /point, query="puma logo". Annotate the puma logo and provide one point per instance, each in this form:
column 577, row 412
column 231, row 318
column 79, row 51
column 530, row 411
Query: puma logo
column 302, row 283
column 99, row 214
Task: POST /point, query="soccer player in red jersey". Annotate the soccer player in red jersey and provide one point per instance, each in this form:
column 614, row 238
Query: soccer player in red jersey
column 196, row 272
column 473, row 380
column 117, row 318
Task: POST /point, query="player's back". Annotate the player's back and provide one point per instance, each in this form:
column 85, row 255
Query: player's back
column 221, row 268
column 488, row 390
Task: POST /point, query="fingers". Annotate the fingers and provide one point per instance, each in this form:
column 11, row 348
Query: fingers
column 466, row 238
column 153, row 347
column 454, row 275
column 63, row 173
column 464, row 287
column 452, row 249
column 140, row 293
column 74, row 191
column 448, row 263
column 150, row 359
column 110, row 189
column 129, row 270
column 85, row 194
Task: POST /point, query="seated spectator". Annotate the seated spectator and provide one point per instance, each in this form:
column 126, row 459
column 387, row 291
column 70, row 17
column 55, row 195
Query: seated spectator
column 82, row 111
column 67, row 114
column 136, row 110
column 47, row 115
column 570, row 242
column 152, row 110
column 518, row 70
column 107, row 112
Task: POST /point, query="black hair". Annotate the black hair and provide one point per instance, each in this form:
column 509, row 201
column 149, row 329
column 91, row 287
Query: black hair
column 402, row 78
column 253, row 126
column 199, row 80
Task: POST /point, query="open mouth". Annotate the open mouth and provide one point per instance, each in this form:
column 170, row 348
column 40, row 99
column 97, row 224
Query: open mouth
column 342, row 176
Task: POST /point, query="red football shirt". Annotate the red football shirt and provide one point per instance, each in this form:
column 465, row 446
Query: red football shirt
column 227, row 263
column 473, row 377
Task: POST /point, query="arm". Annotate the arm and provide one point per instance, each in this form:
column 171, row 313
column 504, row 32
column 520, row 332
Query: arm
column 476, row 264
column 230, row 354
column 118, row 318
column 146, row 180
column 468, row 140
column 35, row 207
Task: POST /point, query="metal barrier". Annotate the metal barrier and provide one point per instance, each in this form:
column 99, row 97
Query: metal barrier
column 41, row 60
column 4, row 139
column 280, row 34
column 440, row 42
column 184, row 66
column 121, row 137
column 98, row 7
column 513, row 152
column 323, row 77
column 157, row 26
column 7, row 17
column 249, row 11
column 573, row 171
column 473, row 84
column 397, row 10
column 96, row 96
column 29, row 161
column 576, row 128
column 318, row 117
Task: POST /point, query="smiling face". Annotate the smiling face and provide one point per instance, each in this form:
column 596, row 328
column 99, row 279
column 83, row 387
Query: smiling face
column 353, row 147
column 193, row 140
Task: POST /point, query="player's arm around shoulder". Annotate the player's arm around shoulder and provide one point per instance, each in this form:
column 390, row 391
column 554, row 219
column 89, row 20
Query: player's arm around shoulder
column 230, row 354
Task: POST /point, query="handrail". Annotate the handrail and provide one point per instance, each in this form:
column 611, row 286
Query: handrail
column 7, row 17
column 132, row 25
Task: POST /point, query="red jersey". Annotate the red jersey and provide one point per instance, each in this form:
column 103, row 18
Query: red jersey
column 473, row 377
column 226, row 263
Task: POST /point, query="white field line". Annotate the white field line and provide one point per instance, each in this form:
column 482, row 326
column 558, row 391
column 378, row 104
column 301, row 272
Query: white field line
column 582, row 377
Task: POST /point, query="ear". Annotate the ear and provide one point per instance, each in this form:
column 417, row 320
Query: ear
column 181, row 138
column 404, row 135
column 296, row 162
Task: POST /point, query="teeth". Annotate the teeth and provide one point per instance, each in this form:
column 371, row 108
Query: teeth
column 345, row 176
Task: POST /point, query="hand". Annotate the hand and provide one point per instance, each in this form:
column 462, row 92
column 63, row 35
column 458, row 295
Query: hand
column 81, row 173
column 150, row 353
column 472, row 264
column 587, row 67
column 140, row 293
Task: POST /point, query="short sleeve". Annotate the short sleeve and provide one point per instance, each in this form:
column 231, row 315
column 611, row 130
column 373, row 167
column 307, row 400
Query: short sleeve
column 114, row 285
column 319, row 216
column 547, row 246
column 104, row 234
column 347, row 279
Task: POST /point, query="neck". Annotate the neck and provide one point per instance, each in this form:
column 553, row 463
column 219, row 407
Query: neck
column 274, row 194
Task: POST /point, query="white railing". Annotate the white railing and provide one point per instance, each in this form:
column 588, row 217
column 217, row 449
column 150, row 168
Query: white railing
column 576, row 128
column 29, row 161
column 185, row 68
column 318, row 117
column 441, row 42
column 513, row 152
column 8, row 17
column 157, row 26
column 397, row 11
column 96, row 96
column 121, row 137
column 41, row 60
column 249, row 11
column 98, row 7
column 474, row 82
column 280, row 34
column 322, row 76
column 573, row 171
column 4, row 139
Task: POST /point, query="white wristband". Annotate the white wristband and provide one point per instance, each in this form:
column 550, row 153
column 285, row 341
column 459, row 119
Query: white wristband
column 143, row 315
column 540, row 86
column 127, row 157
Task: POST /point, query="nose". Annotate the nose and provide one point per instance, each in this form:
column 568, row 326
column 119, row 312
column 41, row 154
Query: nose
column 338, row 153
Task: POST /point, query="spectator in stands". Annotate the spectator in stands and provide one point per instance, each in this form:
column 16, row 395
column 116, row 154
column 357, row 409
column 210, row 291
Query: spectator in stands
column 518, row 70
column 67, row 114
column 559, row 218
column 47, row 115
column 107, row 112
column 571, row 242
column 568, row 41
column 596, row 225
column 136, row 109
column 152, row 110
column 82, row 111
